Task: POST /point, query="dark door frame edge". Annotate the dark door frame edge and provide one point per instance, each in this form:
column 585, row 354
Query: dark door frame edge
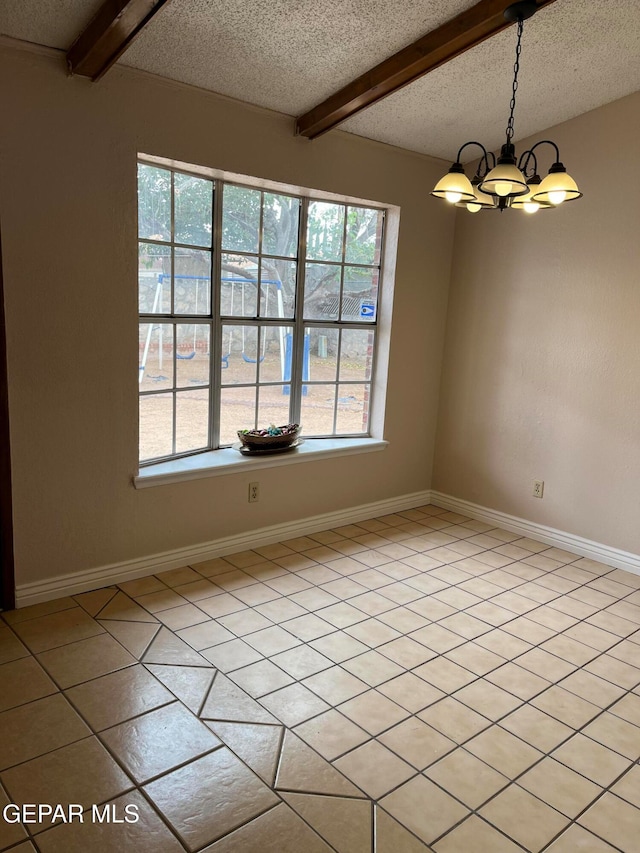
column 7, row 566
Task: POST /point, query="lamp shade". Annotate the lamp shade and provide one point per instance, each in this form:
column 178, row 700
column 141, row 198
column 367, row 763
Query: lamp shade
column 481, row 201
column 527, row 202
column 557, row 187
column 506, row 180
column 454, row 186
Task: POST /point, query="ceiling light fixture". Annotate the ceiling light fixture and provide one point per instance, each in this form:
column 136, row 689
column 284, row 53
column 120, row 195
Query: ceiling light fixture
column 508, row 182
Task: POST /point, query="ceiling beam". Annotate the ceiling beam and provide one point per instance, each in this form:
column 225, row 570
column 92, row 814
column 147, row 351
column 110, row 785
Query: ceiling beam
column 109, row 34
column 461, row 33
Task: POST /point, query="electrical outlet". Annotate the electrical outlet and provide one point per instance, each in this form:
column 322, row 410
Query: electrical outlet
column 254, row 492
column 538, row 488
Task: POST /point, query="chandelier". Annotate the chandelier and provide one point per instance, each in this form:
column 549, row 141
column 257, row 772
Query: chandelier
column 508, row 182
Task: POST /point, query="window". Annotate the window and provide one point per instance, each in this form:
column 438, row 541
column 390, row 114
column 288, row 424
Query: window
column 256, row 306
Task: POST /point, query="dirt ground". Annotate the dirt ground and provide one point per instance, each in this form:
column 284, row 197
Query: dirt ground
column 238, row 403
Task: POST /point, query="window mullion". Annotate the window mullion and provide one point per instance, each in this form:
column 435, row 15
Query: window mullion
column 297, row 351
column 215, row 349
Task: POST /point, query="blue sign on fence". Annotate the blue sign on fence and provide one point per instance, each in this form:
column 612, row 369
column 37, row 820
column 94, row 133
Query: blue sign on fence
column 367, row 310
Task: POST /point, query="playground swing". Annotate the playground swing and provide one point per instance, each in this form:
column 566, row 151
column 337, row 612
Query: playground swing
column 189, row 356
column 245, row 357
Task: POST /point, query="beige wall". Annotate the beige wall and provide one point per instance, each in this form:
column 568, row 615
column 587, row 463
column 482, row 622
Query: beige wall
column 68, row 209
column 541, row 376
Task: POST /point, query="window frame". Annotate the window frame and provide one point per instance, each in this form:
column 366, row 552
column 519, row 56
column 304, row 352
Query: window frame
column 216, row 321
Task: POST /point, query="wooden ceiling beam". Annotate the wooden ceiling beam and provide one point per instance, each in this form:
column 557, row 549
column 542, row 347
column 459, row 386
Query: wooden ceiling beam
column 109, row 34
column 437, row 47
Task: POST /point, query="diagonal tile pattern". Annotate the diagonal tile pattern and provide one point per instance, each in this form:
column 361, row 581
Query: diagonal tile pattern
column 415, row 682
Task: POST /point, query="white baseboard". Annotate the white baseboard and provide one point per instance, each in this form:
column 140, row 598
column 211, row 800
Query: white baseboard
column 71, row 584
column 568, row 541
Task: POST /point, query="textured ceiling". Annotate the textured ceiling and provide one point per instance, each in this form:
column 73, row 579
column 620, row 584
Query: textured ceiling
column 289, row 55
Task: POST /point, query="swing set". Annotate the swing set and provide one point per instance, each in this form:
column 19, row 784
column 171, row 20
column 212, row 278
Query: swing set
column 285, row 340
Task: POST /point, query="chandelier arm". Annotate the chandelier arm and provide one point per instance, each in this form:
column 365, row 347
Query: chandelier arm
column 523, row 163
column 544, row 142
column 479, row 144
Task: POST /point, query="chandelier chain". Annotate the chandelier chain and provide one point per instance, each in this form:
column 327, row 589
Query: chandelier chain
column 516, row 69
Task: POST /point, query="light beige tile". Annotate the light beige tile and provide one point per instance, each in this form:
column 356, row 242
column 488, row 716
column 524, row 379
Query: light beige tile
column 189, row 683
column 280, row 609
column 374, row 769
column 373, row 632
column 335, row 685
column 313, row 599
column 545, row 665
column 221, row 605
column 615, row 733
column 407, row 652
column 372, row 603
column 475, row 658
column 242, row 559
column 591, row 759
column 177, row 577
column 487, row 699
column 302, row 769
column 10, row 646
column 302, row 661
column 373, row 668
column 244, row 622
column 23, row 680
column 234, row 580
column 518, row 681
column 454, row 719
column 12, row 617
column 558, row 786
column 158, row 741
column 424, row 808
column 81, row 772
column 10, row 833
column 614, row 820
column 474, row 834
column 226, row 701
column 211, row 568
column 94, row 601
column 232, row 655
column 566, row 707
column 167, row 648
column 505, row 753
column 308, row 627
column 344, row 823
column 628, row 708
column 260, row 678
column 536, row 728
column 278, row 830
column 417, row 743
column 199, row 590
column 38, row 727
column 117, row 697
column 570, row 650
column 272, row 640
column 629, row 786
column 142, row 586
column 294, row 704
column 182, row 617
column 592, row 636
column 331, row 734
column 373, row 712
column 615, row 671
column 85, row 659
column 524, row 818
column 531, row 632
column 504, row 644
column 205, row 635
column 467, row 778
column 255, row 744
column 445, row 674
column 578, row 840
column 125, row 609
column 391, row 837
column 592, row 688
column 57, row 629
column 411, row 692
column 148, row 833
column 339, row 646
column 136, row 637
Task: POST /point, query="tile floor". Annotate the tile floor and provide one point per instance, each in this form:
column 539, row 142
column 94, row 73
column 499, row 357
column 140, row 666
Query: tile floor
column 410, row 683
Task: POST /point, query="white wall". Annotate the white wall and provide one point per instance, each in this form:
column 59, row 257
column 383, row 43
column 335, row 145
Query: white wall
column 68, row 211
column 541, row 376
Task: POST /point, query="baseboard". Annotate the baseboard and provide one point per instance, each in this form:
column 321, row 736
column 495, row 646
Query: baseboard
column 71, row 584
column 576, row 544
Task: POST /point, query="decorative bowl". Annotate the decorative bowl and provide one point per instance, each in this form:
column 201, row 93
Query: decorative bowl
column 273, row 437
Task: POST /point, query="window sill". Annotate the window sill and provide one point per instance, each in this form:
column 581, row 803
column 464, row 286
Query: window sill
column 217, row 463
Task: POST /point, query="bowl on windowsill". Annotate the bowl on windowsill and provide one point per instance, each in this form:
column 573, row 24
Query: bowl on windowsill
column 270, row 439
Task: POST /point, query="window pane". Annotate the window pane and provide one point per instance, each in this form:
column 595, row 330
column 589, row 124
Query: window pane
column 323, row 354
column 325, row 230
column 278, row 288
column 239, row 355
column 154, row 202
column 356, row 354
column 364, row 235
column 155, row 356
column 154, row 279
column 237, row 411
column 192, row 420
column 193, row 200
column 360, row 294
column 192, row 354
column 239, row 287
column 156, row 426
column 321, row 292
column 192, row 281
column 273, row 405
column 280, row 225
column 353, row 409
column 240, row 219
column 316, row 413
column 275, row 350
